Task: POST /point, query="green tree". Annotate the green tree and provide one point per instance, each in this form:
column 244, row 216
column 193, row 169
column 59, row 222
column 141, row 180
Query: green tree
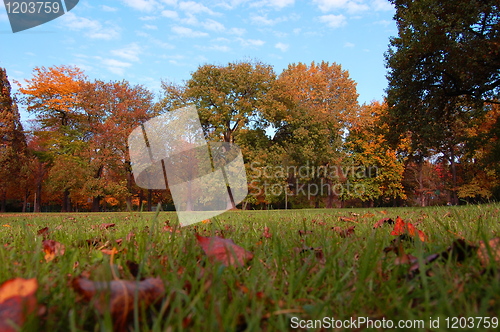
column 443, row 66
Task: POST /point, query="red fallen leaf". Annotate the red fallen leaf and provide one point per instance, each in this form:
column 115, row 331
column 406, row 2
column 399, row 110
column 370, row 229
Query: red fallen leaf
column 130, row 236
column 17, row 300
column 401, row 228
column 383, row 221
column 224, row 250
column 117, row 296
column 301, row 232
column 266, row 233
column 52, row 249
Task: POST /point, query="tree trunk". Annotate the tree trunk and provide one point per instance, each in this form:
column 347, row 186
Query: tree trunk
column 96, row 204
column 421, row 188
column 66, row 203
column 150, row 199
column 38, row 198
column 3, row 205
column 454, row 198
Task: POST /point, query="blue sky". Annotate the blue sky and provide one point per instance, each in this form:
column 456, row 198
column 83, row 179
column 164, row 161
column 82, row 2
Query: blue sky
column 146, row 41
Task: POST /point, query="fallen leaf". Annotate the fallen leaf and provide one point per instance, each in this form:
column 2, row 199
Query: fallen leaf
column 383, row 221
column 52, row 249
column 117, row 296
column 113, row 251
column 344, row 232
column 348, row 219
column 106, row 225
column 401, row 228
column 405, row 259
column 17, row 300
column 43, row 231
column 266, row 233
column 224, row 250
column 301, row 232
column 487, row 252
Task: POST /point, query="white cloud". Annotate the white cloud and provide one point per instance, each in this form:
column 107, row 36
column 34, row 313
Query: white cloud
column 147, row 18
column 213, row 25
column 142, row 5
column 263, row 20
column 150, row 27
column 218, row 48
column 108, row 8
column 3, row 17
column 130, row 52
column 352, row 6
column 333, row 21
column 92, row 28
column 170, row 14
column 237, row 31
column 80, row 23
column 382, row 5
column 192, row 7
column 251, row 42
column 231, row 4
column 187, row 32
column 282, row 47
column 349, row 45
column 115, row 66
column 277, row 4
column 107, row 34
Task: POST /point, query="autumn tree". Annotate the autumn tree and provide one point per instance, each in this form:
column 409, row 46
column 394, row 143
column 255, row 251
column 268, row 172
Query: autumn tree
column 232, row 102
column 53, row 96
column 378, row 168
column 319, row 101
column 112, row 110
column 13, row 152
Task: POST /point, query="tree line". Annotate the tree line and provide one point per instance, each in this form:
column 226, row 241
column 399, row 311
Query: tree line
column 305, row 140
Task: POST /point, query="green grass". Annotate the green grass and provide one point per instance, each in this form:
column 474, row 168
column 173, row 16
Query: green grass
column 354, row 278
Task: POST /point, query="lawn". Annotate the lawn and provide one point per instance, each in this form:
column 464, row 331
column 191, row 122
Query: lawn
column 306, row 270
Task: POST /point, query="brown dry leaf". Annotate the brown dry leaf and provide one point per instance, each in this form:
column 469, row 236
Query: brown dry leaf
column 118, row 296
column 224, row 250
column 43, row 231
column 367, row 215
column 487, row 252
column 302, row 233
column 346, row 219
column 110, row 252
column 344, row 232
column 106, row 225
column 382, row 222
column 405, row 259
column 52, row 249
column 17, row 300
